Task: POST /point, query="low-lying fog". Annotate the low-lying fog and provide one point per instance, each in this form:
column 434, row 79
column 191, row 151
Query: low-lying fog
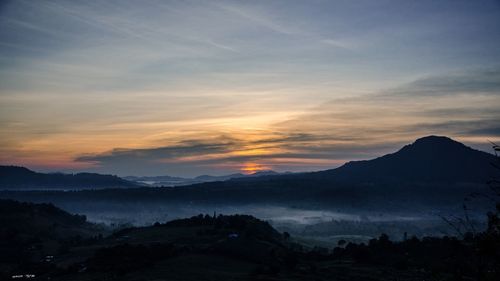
column 309, row 225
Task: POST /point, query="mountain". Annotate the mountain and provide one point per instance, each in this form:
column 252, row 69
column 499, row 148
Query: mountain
column 433, row 171
column 265, row 173
column 179, row 181
column 428, row 159
column 160, row 180
column 207, row 178
column 170, row 181
column 12, row 177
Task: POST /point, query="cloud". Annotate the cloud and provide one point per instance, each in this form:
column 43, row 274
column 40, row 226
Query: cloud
column 345, row 129
column 255, row 17
column 297, row 152
column 157, row 160
column 481, row 81
column 158, row 154
column 465, row 105
column 489, row 131
column 343, row 44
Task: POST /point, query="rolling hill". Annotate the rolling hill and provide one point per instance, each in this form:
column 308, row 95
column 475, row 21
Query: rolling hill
column 223, row 247
column 12, row 177
column 179, row 181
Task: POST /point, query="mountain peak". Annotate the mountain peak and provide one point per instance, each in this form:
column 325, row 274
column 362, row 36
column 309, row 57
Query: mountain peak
column 436, row 140
column 431, row 158
column 435, row 146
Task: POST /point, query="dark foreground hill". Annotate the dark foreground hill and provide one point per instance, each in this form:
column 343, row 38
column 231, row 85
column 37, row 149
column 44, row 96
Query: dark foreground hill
column 241, row 247
column 30, row 232
column 12, row 177
column 28, row 220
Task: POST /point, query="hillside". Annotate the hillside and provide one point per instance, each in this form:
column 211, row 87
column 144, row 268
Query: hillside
column 40, row 220
column 12, row 177
column 433, row 171
column 241, row 247
column 30, row 232
column 428, row 159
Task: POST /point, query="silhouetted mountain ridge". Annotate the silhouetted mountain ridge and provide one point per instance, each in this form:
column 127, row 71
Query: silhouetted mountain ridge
column 13, row 177
column 170, row 181
column 428, row 159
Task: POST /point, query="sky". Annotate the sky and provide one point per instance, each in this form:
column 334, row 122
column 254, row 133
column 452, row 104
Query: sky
column 186, row 88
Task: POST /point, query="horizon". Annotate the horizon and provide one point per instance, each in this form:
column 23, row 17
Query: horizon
column 250, row 173
column 222, row 87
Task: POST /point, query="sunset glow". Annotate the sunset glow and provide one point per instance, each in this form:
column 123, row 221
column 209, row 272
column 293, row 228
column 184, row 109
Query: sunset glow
column 252, row 168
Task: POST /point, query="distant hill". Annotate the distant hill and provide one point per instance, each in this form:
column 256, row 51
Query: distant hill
column 433, row 172
column 208, row 178
column 179, row 181
column 13, row 177
column 166, row 180
column 428, row 159
column 160, row 180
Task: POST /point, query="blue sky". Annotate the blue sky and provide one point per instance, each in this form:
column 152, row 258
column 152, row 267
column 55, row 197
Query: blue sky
column 194, row 87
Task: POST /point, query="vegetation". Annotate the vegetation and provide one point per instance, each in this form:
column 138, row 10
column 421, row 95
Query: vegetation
column 30, row 232
column 236, row 247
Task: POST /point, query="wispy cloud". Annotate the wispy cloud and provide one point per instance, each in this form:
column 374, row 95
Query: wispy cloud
column 338, row 43
column 464, row 106
column 480, row 81
column 298, row 152
column 255, row 17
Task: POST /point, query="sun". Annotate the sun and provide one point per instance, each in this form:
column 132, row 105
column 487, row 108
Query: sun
column 251, row 168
